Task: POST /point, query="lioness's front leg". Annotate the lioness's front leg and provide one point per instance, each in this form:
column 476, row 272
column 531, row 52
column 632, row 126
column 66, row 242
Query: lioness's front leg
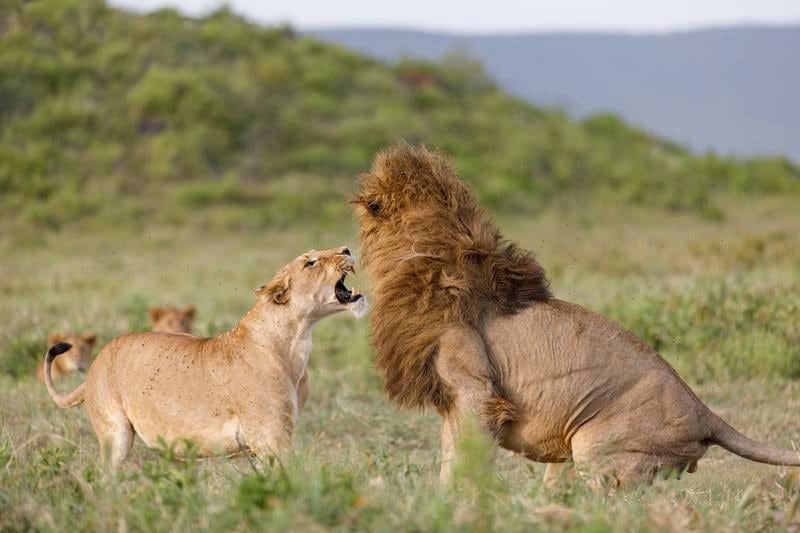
column 302, row 390
column 465, row 369
column 267, row 427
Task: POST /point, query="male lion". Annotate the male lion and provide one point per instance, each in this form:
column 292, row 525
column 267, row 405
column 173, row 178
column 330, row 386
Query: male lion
column 78, row 358
column 171, row 319
column 230, row 394
column 463, row 322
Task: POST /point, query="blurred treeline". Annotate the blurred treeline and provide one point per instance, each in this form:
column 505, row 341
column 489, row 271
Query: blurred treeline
column 105, row 113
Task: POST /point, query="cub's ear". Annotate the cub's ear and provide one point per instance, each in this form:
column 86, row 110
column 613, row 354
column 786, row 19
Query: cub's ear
column 276, row 290
column 90, row 338
column 155, row 313
column 189, row 311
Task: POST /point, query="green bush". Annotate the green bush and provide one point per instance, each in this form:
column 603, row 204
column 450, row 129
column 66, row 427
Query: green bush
column 109, row 103
column 20, row 353
column 136, row 312
column 199, row 194
column 719, row 330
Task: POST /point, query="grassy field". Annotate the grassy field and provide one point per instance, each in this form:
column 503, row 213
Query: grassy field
column 720, row 299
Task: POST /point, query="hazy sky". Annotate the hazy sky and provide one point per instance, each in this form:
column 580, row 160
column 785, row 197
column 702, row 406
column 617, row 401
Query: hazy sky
column 500, row 15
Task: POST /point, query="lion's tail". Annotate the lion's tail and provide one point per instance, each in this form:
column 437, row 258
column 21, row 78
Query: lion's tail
column 69, row 400
column 733, row 441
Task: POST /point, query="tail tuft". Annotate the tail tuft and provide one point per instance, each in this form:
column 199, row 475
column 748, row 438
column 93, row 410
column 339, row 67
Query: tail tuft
column 57, row 349
column 69, row 400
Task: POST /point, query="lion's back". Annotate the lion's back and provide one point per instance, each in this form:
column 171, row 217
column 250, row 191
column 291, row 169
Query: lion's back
column 567, row 348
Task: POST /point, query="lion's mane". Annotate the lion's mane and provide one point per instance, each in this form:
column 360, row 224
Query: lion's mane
column 436, row 259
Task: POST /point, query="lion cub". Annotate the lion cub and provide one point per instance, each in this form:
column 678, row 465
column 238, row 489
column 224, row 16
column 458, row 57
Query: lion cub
column 235, row 393
column 171, row 319
column 79, row 357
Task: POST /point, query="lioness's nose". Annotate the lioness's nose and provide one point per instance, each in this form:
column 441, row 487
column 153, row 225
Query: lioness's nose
column 345, row 251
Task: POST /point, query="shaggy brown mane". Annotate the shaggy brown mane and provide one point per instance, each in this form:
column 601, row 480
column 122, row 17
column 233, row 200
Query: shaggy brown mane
column 435, row 258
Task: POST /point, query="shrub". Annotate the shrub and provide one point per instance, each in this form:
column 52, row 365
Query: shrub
column 107, row 103
column 719, row 329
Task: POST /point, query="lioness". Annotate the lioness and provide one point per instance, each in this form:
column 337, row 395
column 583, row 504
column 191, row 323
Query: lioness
column 463, row 321
column 78, row 358
column 234, row 393
column 171, row 319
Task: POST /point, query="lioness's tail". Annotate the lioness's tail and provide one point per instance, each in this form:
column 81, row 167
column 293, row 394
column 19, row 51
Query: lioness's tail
column 73, row 398
column 733, row 441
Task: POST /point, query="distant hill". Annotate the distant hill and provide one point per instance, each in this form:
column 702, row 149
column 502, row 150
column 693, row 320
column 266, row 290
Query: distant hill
column 105, row 111
column 734, row 90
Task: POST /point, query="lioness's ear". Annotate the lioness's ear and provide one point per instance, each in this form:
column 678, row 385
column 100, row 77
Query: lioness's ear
column 155, row 313
column 189, row 311
column 54, row 339
column 90, row 338
column 277, row 290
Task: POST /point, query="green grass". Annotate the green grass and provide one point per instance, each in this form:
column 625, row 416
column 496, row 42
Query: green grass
column 151, row 160
column 719, row 299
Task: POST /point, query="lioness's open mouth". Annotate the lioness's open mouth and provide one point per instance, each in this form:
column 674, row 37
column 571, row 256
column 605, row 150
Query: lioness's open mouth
column 345, row 295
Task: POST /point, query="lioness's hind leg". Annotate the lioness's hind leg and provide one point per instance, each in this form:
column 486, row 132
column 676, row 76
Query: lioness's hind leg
column 114, row 433
column 116, row 444
column 121, row 443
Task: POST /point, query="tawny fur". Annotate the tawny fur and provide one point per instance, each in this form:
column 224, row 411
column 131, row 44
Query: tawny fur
column 463, row 321
column 239, row 392
column 439, row 260
column 171, row 319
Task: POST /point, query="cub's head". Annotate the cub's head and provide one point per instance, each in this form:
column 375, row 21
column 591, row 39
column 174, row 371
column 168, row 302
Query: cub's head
column 171, row 319
column 313, row 285
column 79, row 357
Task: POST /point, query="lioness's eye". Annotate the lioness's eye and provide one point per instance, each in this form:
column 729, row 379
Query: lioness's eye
column 311, row 262
column 374, row 207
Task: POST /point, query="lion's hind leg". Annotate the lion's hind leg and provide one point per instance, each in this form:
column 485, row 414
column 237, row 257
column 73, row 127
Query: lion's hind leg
column 497, row 413
column 619, row 471
column 607, row 467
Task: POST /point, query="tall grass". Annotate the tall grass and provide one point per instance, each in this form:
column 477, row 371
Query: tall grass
column 719, row 299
